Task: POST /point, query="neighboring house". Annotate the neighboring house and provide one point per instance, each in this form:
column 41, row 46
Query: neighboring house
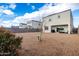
column 58, row 22
column 14, row 26
column 33, row 24
column 22, row 25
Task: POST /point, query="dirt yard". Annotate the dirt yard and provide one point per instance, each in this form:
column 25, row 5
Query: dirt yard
column 52, row 44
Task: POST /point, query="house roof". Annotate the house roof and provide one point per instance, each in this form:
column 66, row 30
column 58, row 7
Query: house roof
column 33, row 20
column 23, row 23
column 57, row 13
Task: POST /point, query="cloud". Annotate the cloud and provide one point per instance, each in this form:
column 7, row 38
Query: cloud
column 22, row 19
column 6, row 23
column 31, row 15
column 1, row 7
column 6, row 9
column 71, row 6
column 33, row 7
column 76, row 21
column 19, row 19
column 51, row 8
column 28, row 4
column 9, row 23
column 1, row 20
column 46, row 6
column 12, row 6
column 8, row 12
column 48, row 9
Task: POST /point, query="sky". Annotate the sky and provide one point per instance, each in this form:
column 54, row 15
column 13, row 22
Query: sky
column 11, row 14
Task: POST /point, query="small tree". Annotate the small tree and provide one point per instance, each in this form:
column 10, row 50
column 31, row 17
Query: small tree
column 9, row 43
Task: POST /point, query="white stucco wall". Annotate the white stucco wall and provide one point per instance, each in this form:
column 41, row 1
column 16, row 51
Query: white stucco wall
column 34, row 24
column 65, row 18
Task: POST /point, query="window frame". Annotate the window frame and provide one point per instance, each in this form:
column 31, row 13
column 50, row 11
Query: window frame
column 49, row 20
column 58, row 16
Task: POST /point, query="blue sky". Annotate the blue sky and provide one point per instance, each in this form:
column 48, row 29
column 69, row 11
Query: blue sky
column 22, row 8
column 11, row 14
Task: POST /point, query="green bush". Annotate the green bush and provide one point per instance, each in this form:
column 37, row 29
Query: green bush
column 9, row 43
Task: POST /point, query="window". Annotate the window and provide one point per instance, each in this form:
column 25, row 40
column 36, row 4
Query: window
column 58, row 16
column 49, row 19
column 46, row 27
column 39, row 24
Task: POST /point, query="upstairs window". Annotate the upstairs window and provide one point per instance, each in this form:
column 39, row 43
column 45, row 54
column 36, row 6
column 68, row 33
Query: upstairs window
column 58, row 16
column 39, row 24
column 49, row 19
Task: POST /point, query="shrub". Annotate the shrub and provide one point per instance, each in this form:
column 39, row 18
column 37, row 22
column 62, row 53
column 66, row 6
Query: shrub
column 9, row 43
